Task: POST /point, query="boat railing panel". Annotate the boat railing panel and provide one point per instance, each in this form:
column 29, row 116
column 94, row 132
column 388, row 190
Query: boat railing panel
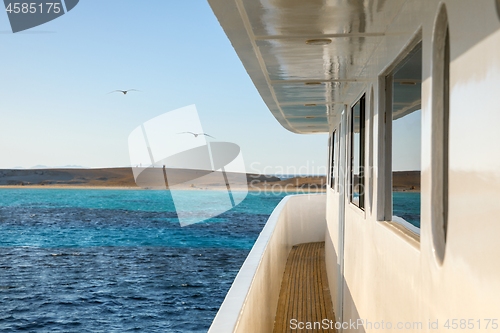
column 251, row 303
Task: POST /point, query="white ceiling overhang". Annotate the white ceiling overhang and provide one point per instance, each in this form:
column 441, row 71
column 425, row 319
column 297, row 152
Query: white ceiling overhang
column 306, row 86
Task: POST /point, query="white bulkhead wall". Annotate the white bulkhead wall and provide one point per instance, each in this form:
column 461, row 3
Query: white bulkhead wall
column 385, row 274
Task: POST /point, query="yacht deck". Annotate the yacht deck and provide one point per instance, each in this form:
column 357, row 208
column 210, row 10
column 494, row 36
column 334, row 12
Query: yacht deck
column 305, row 296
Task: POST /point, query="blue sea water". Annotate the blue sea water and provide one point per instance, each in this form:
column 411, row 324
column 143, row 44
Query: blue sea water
column 407, row 206
column 117, row 260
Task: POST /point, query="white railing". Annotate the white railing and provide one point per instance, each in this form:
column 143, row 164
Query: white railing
column 250, row 305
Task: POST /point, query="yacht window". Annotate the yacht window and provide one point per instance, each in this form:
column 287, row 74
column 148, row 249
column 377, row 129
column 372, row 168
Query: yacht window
column 332, row 161
column 406, row 138
column 357, row 179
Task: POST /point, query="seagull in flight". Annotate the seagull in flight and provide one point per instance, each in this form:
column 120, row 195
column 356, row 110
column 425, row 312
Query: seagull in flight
column 196, row 134
column 123, row 91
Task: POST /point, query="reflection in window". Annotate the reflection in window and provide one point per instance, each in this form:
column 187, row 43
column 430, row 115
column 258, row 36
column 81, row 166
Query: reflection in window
column 406, row 138
column 358, row 153
column 332, row 161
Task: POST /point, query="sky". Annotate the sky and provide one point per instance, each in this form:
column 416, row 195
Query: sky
column 406, row 142
column 55, row 78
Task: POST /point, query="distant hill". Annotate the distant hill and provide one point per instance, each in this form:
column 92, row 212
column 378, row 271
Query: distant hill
column 108, row 177
column 406, row 181
column 73, row 177
column 123, row 177
column 304, row 183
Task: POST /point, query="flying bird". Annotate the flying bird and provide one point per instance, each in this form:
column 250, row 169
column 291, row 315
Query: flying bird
column 123, row 91
column 196, row 134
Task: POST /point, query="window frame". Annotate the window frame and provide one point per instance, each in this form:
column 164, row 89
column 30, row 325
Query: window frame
column 388, row 80
column 362, row 149
column 332, row 160
column 440, row 133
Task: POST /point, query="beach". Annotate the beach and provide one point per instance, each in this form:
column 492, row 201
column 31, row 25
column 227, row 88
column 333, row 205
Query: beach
column 123, row 179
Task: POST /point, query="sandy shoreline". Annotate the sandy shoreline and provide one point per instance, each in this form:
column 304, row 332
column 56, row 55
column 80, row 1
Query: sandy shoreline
column 180, row 179
column 269, row 189
column 69, row 187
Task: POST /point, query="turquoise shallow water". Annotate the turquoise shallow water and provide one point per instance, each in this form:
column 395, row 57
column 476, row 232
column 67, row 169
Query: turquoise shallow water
column 117, row 260
column 82, row 218
column 407, row 206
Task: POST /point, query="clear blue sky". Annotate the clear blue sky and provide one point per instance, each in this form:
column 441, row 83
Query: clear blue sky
column 54, row 81
column 406, row 142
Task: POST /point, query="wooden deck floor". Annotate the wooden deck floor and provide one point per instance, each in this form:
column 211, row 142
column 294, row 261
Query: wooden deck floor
column 304, row 295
